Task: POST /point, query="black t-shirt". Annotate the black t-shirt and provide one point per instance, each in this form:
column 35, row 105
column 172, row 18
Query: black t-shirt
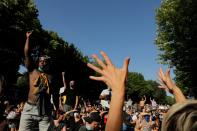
column 70, row 96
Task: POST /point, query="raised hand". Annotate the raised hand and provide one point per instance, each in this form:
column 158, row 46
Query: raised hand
column 28, row 33
column 114, row 77
column 63, row 73
column 165, row 80
column 167, row 83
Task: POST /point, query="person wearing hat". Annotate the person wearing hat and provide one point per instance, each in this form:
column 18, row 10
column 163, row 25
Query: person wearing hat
column 91, row 122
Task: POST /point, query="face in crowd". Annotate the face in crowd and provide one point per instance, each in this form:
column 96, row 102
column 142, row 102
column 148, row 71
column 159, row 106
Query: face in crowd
column 42, row 64
column 72, row 84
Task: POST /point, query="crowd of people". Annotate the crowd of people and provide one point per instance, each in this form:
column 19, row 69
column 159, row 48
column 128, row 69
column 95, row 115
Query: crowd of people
column 111, row 113
column 93, row 116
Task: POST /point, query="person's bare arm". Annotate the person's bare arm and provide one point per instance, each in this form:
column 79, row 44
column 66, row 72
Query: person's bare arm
column 167, row 83
column 76, row 102
column 26, row 50
column 60, row 98
column 63, row 79
column 60, row 102
column 115, row 79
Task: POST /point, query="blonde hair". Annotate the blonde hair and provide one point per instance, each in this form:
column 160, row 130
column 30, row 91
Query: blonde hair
column 181, row 117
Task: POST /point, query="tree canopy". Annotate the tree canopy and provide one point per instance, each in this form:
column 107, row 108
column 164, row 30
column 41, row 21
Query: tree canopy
column 177, row 41
column 16, row 17
column 137, row 87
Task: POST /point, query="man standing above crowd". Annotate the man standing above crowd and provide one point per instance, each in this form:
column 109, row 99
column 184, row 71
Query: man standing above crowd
column 37, row 110
column 69, row 98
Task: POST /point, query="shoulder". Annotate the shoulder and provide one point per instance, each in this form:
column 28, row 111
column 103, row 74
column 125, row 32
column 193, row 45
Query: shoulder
column 34, row 73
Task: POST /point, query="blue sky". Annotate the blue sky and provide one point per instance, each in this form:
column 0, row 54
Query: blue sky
column 122, row 29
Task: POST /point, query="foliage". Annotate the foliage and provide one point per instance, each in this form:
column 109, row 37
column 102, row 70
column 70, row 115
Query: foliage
column 137, row 87
column 177, row 41
column 155, row 92
column 170, row 100
column 16, row 16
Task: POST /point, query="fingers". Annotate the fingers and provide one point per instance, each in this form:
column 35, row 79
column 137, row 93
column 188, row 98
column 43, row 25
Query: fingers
column 106, row 58
column 159, row 80
column 94, row 68
column 163, row 87
column 28, row 33
column 162, row 77
column 97, row 78
column 165, row 80
column 161, row 74
column 126, row 63
column 125, row 68
column 168, row 73
column 100, row 62
column 109, row 73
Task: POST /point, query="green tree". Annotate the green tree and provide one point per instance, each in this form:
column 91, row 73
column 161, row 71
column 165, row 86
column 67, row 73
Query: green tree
column 170, row 100
column 177, row 41
column 154, row 92
column 137, row 87
column 16, row 17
